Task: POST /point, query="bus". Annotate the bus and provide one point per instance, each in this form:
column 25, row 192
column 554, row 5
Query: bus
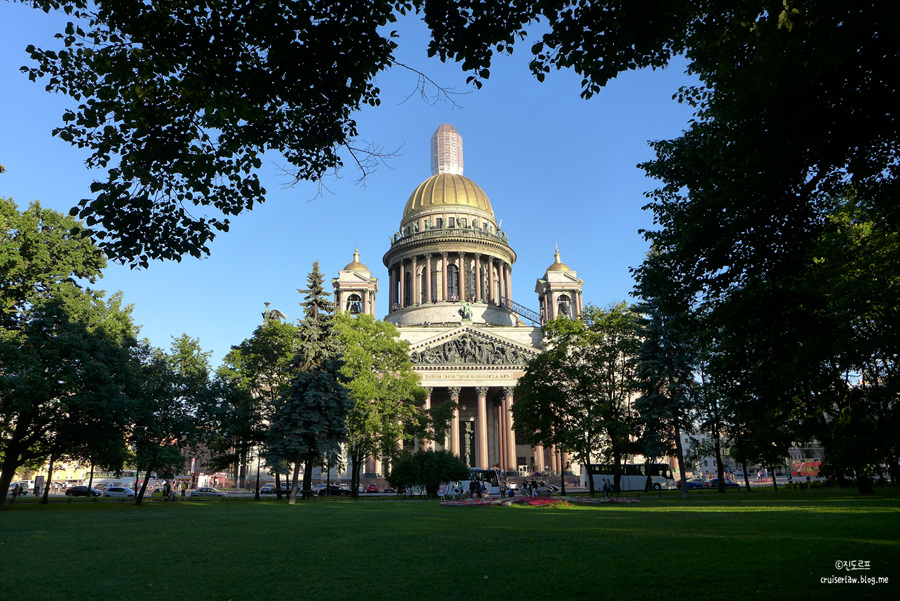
column 490, row 477
column 124, row 478
column 634, row 476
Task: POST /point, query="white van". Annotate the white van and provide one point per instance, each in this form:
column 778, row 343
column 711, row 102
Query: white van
column 26, row 487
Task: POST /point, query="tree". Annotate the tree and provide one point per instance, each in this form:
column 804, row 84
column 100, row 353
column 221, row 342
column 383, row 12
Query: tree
column 252, row 379
column 665, row 366
column 576, row 394
column 175, row 129
column 311, row 419
column 175, row 385
column 426, row 468
column 65, row 367
column 288, row 77
column 382, row 386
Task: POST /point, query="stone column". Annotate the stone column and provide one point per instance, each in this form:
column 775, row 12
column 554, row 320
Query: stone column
column 415, row 295
column 454, row 422
column 478, row 290
column 512, row 462
column 501, row 437
column 551, row 306
column 492, row 292
column 539, row 458
column 401, row 286
column 444, row 296
column 393, row 291
column 564, row 462
column 554, row 459
column 482, row 427
column 427, row 277
column 462, row 276
column 508, row 281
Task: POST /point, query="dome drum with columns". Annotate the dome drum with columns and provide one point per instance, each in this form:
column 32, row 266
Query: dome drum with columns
column 450, row 294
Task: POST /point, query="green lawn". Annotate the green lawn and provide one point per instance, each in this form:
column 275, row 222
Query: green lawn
column 766, row 545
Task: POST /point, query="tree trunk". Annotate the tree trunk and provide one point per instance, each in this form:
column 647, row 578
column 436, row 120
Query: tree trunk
column 679, row 453
column 140, row 497
column 562, row 477
column 7, row 474
column 746, row 477
column 292, row 495
column 46, row 497
column 354, row 472
column 277, row 486
column 774, row 480
column 590, row 477
column 307, row 478
column 256, row 496
column 720, row 469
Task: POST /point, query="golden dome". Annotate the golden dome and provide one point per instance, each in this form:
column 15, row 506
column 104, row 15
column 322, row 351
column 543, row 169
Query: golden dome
column 558, row 265
column 447, row 189
column 356, row 265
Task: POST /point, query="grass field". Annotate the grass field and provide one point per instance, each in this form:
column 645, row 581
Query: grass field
column 764, row 545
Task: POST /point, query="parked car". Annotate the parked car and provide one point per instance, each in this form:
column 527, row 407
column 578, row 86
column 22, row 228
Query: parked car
column 714, row 483
column 82, row 491
column 333, row 490
column 207, row 492
column 118, row 491
column 389, row 489
column 267, row 489
column 372, row 488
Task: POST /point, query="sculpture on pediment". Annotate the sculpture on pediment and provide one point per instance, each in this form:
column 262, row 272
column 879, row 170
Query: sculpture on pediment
column 470, row 350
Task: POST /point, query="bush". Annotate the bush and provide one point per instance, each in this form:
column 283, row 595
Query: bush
column 427, row 469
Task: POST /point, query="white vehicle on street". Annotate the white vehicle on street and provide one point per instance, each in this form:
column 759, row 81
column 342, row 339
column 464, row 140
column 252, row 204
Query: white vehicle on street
column 118, row 491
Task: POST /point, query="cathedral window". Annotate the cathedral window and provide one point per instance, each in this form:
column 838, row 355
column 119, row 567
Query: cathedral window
column 463, row 222
column 451, row 222
column 439, row 222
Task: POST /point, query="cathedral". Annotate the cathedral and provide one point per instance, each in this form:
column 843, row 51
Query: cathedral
column 450, row 296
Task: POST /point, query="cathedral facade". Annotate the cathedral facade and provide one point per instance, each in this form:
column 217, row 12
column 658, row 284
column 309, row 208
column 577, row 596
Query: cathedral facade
column 449, row 285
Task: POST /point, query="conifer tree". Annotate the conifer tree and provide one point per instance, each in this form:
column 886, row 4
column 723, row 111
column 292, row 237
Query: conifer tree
column 312, row 418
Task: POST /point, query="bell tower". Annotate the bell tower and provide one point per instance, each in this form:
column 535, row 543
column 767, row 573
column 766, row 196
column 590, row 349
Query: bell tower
column 559, row 292
column 355, row 289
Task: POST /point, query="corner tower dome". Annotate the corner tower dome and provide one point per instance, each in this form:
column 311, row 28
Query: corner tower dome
column 558, row 265
column 355, row 265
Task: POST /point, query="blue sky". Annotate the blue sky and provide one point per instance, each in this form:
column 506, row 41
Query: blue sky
column 557, row 169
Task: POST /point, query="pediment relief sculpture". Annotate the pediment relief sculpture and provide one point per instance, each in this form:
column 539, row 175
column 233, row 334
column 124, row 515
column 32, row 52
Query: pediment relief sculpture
column 471, row 350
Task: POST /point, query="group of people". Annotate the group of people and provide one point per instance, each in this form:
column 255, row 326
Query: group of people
column 530, row 489
column 607, row 488
column 170, row 492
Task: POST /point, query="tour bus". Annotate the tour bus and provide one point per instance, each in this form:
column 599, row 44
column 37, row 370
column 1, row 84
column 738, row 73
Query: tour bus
column 634, row 476
column 495, row 485
column 124, row 478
